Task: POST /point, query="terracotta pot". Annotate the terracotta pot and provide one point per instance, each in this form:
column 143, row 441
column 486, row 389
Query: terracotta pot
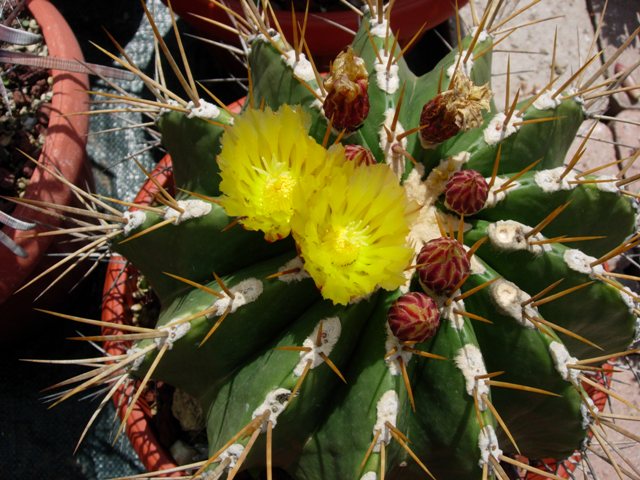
column 64, row 150
column 119, row 284
column 325, row 40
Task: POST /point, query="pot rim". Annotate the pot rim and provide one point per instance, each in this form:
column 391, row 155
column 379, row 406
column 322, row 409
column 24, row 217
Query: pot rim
column 407, row 16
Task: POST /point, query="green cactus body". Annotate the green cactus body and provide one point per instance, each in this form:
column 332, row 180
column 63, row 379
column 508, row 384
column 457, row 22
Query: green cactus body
column 448, row 388
column 199, row 234
column 291, row 298
column 584, row 311
column 193, row 138
column 527, row 351
column 354, row 401
column 276, row 371
column 529, row 204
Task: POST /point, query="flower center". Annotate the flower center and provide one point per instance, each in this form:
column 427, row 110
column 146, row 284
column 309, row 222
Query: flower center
column 277, row 192
column 345, row 243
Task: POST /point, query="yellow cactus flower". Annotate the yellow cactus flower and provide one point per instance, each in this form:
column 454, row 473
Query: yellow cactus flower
column 266, row 156
column 352, row 233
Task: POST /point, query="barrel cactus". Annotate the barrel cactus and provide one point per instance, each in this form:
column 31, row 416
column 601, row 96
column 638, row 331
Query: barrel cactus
column 407, row 282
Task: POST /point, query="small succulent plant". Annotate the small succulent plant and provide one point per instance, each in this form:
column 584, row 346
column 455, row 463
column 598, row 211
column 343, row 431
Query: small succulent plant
column 13, row 36
column 13, row 52
column 409, row 283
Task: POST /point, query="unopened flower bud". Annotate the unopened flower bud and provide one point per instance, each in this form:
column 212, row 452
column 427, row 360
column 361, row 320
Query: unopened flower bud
column 442, row 265
column 466, row 192
column 347, row 100
column 452, row 111
column 414, row 317
column 359, row 154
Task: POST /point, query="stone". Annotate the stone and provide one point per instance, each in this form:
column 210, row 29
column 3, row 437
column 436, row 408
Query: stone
column 628, row 137
column 599, row 151
column 620, row 22
column 531, row 47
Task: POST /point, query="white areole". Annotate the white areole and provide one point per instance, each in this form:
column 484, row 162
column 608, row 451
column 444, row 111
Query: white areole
column 447, row 311
column 511, row 235
column 174, row 333
column 378, row 29
column 134, row 220
column 461, row 64
column 394, row 159
column 488, row 445
column 245, row 292
column 302, row 68
column 550, row 180
column 497, row 131
column 508, row 297
column 470, row 362
column 387, row 77
column 192, row 208
column 233, row 452
column 203, row 110
column 331, row 329
column 393, row 361
column 275, row 402
column 546, row 102
column 387, row 411
column 495, row 194
column 293, row 276
column 581, row 262
column 562, row 358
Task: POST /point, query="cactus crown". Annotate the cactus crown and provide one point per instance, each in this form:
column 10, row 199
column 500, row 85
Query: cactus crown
column 486, row 248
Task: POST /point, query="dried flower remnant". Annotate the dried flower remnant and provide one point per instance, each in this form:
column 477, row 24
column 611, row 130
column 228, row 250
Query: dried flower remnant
column 347, row 101
column 455, row 110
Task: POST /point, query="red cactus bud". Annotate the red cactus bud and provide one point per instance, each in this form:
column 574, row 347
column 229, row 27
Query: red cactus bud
column 454, row 110
column 359, row 154
column 442, row 264
column 466, row 192
column 414, row 317
column 347, row 101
